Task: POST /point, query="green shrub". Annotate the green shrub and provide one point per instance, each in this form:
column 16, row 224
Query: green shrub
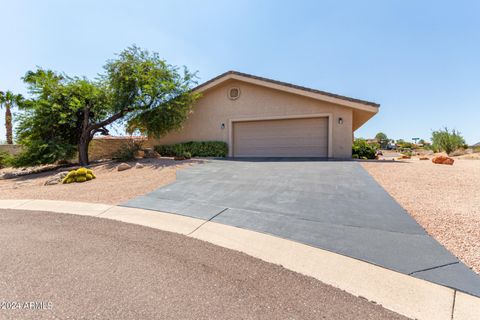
column 361, row 149
column 195, row 148
column 37, row 153
column 407, row 152
column 6, row 159
column 186, row 155
column 405, row 145
column 128, row 150
column 447, row 141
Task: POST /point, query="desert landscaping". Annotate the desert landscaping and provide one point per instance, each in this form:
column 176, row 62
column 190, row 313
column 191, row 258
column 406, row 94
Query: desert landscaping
column 110, row 187
column 443, row 199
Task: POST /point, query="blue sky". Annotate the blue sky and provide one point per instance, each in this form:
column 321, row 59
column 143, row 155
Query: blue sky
column 419, row 59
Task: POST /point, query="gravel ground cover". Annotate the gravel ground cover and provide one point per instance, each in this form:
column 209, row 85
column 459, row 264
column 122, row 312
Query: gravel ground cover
column 110, row 187
column 444, row 199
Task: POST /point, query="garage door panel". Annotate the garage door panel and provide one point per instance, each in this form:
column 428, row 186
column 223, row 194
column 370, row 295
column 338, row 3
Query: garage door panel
column 306, row 137
column 285, row 143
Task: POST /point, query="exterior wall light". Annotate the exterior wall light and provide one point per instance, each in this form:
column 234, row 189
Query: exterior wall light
column 340, row 120
column 222, row 126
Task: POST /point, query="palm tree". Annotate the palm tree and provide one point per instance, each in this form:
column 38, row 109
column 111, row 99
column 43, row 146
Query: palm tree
column 9, row 100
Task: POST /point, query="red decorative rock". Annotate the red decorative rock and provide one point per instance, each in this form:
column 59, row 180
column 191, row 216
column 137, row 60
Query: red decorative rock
column 443, row 160
column 448, row 161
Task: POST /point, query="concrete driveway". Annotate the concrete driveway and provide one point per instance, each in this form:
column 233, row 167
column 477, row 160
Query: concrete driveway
column 331, row 205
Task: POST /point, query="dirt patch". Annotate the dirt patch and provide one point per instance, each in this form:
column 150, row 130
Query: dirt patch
column 111, row 186
column 445, row 200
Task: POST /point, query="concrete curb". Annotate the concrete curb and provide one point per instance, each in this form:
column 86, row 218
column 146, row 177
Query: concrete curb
column 406, row 295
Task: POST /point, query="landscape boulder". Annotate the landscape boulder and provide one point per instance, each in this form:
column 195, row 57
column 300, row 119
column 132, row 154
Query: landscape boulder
column 138, row 165
column 123, row 166
column 150, row 153
column 424, row 158
column 443, row 160
column 56, row 179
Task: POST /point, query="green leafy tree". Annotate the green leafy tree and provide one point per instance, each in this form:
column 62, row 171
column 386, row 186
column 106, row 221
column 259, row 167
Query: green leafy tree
column 137, row 88
column 382, row 139
column 49, row 126
column 446, row 140
column 9, row 100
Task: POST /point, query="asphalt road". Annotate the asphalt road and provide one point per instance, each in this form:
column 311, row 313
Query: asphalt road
column 55, row 266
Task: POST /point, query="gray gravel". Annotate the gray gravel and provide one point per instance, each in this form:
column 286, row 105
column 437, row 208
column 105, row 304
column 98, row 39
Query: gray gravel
column 91, row 268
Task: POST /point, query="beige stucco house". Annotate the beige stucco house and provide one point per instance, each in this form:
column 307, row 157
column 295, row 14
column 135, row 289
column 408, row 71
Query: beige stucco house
column 260, row 117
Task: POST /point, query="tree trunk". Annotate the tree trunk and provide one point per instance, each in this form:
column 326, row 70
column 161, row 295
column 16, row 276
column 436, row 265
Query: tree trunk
column 84, row 138
column 8, row 124
column 88, row 131
column 83, row 149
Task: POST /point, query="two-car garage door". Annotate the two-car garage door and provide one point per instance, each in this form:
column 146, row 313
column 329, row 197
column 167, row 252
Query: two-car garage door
column 301, row 137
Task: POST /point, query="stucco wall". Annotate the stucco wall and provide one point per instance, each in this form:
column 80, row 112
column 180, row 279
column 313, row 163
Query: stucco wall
column 215, row 108
column 106, row 147
column 11, row 148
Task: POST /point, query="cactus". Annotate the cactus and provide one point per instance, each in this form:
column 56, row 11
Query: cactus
column 79, row 175
column 71, row 174
column 81, row 172
column 80, row 179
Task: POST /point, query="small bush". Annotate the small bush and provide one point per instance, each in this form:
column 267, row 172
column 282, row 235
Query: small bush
column 447, row 141
column 195, row 148
column 407, row 152
column 405, row 145
column 361, row 149
column 6, row 159
column 128, row 150
column 186, row 155
column 37, row 153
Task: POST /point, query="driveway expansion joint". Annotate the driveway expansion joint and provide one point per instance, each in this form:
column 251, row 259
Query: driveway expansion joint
column 207, row 221
column 104, row 211
column 453, row 303
column 433, row 268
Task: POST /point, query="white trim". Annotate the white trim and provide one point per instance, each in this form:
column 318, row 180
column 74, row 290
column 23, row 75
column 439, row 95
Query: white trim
column 297, row 116
column 314, row 95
